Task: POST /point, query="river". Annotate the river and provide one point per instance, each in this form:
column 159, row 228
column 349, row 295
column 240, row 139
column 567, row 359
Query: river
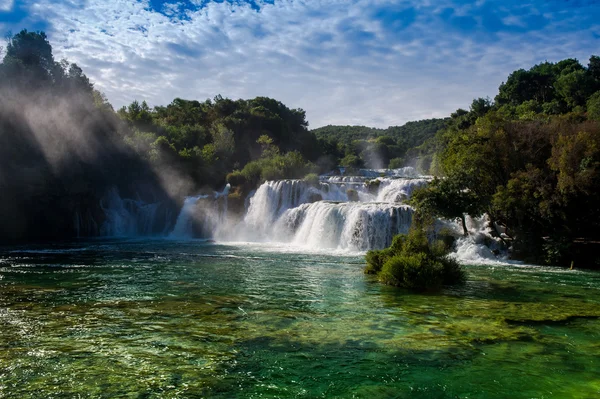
column 161, row 318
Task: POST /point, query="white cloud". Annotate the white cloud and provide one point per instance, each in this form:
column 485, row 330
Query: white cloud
column 339, row 60
column 6, row 5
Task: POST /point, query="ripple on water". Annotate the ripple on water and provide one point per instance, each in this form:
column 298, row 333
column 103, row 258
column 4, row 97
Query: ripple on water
column 163, row 319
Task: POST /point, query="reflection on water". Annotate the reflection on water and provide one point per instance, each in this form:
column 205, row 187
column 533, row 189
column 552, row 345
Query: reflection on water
column 162, row 319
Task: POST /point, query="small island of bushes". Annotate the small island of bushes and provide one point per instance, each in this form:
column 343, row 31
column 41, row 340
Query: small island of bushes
column 414, row 262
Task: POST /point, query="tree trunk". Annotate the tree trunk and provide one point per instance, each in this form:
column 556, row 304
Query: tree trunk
column 495, row 230
column 464, row 225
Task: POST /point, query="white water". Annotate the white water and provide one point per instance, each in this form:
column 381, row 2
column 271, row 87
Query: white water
column 341, row 213
column 398, row 190
column 183, row 225
column 351, row 225
column 407, row 171
column 479, row 246
column 324, row 216
column 209, row 217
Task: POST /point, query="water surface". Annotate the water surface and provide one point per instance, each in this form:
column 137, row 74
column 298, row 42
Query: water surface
column 167, row 319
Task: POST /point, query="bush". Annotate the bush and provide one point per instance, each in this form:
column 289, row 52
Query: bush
column 352, row 194
column 236, row 178
column 350, row 161
column 396, row 163
column 376, row 259
column 288, row 166
column 593, row 107
column 312, row 179
column 271, row 172
column 415, row 263
column 452, row 272
column 252, row 172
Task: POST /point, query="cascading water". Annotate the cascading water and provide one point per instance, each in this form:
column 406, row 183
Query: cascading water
column 352, row 213
column 209, row 217
column 398, row 190
column 349, row 225
column 183, row 224
column 407, row 171
column 128, row 217
column 273, row 198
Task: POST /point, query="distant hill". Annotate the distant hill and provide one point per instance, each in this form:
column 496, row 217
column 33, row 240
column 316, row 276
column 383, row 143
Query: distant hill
column 411, row 134
column 362, row 146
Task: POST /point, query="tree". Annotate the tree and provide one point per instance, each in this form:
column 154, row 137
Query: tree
column 223, row 140
column 29, row 55
column 574, row 87
column 350, row 161
column 451, row 198
column 480, row 106
column 593, row 106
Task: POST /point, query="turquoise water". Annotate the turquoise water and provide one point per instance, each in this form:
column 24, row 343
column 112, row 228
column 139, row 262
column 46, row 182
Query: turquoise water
column 164, row 319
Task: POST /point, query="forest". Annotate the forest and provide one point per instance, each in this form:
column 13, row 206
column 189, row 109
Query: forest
column 529, row 158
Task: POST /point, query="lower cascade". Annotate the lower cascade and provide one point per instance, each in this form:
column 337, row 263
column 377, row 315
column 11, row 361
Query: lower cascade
column 348, row 213
column 183, row 225
column 353, row 213
column 347, row 225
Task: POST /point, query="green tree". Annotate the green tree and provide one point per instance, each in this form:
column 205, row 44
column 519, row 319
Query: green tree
column 575, row 87
column 451, row 197
column 593, row 106
column 350, row 161
column 29, row 58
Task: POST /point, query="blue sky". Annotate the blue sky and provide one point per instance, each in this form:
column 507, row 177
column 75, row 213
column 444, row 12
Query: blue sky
column 371, row 62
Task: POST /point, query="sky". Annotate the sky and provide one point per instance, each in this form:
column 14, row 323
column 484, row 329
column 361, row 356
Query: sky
column 352, row 62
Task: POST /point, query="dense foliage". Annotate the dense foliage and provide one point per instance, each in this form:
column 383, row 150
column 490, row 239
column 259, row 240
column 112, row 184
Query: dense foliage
column 530, row 160
column 412, row 261
column 206, row 140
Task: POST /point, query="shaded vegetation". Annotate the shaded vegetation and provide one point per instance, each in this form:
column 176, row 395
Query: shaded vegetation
column 261, row 138
column 60, row 147
column 530, row 159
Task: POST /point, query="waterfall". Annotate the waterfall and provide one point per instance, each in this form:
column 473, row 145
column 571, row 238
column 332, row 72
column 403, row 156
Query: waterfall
column 328, row 215
column 348, row 225
column 275, row 197
column 351, row 213
column 119, row 220
column 183, row 224
column 209, row 217
column 128, row 217
column 398, row 190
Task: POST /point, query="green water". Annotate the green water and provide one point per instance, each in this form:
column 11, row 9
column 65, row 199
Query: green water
column 161, row 319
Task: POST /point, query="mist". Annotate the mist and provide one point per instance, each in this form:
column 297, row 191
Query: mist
column 60, row 154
